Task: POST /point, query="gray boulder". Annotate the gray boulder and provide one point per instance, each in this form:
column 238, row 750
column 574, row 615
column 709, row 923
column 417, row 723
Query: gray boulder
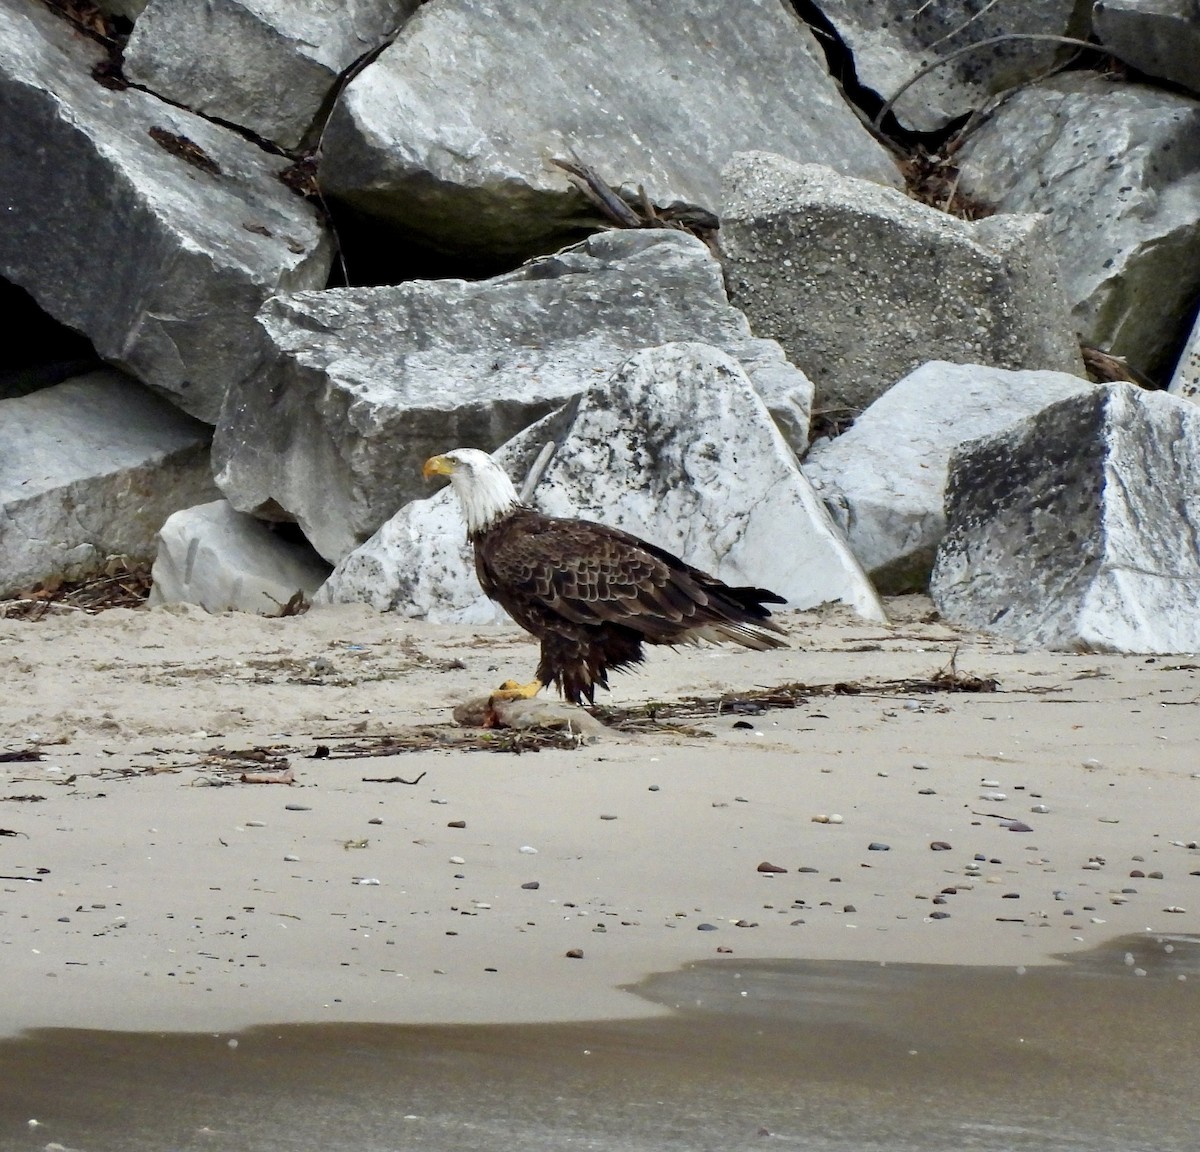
column 1158, row 37
column 892, row 40
column 91, row 468
column 1076, row 529
column 1116, row 169
column 227, row 561
column 884, row 480
column 267, row 65
column 860, row 284
column 677, row 448
column 451, row 145
column 153, row 231
column 358, row 386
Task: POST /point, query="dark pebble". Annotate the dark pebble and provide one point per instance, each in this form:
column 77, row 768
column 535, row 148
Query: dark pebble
column 742, row 724
column 849, row 908
column 297, row 808
column 457, row 824
column 926, row 792
column 375, row 820
column 939, row 915
column 497, row 969
column 939, row 846
column 875, row 846
column 979, row 856
column 767, row 866
column 652, row 788
column 574, row 953
column 1155, row 875
column 706, row 927
column 806, row 868
column 1015, row 825
column 949, row 891
column 1011, row 896
column 940, row 900
column 532, row 886
column 745, row 924
column 1137, row 874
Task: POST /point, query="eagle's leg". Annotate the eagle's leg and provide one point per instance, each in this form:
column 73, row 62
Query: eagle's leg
column 512, row 690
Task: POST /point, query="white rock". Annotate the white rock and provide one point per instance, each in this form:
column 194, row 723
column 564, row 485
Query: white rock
column 224, row 560
column 1076, row 528
column 448, row 135
column 884, row 480
column 719, row 488
column 363, row 385
column 91, row 468
column 861, row 284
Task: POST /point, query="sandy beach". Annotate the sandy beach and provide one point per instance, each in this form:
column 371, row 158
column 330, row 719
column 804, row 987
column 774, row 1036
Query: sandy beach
column 146, row 886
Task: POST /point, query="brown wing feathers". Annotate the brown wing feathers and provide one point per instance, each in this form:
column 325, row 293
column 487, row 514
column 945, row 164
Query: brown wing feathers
column 593, row 594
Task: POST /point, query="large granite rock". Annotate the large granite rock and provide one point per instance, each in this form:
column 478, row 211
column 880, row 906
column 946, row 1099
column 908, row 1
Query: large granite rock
column 359, row 386
column 892, row 40
column 267, row 65
column 451, row 144
column 1076, row 529
column 91, row 468
column 226, row 561
column 1158, row 37
column 860, row 284
column 155, row 232
column 677, row 448
column 1116, row 169
column 884, row 480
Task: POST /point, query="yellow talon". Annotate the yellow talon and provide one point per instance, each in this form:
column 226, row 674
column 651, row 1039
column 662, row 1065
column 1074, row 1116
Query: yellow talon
column 512, row 690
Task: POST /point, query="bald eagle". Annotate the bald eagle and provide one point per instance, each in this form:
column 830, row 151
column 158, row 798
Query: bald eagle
column 590, row 593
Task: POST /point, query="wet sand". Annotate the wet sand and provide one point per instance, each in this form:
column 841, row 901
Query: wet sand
column 1098, row 1054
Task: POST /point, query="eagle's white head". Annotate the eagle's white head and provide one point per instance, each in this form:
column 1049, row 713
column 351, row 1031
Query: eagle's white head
column 486, row 493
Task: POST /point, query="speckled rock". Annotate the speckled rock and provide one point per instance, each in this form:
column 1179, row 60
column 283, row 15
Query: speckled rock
column 677, row 448
column 861, row 284
column 1158, row 37
column 1076, row 529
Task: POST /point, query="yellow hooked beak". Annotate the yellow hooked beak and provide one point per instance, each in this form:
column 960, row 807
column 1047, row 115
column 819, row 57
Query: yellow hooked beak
column 437, row 466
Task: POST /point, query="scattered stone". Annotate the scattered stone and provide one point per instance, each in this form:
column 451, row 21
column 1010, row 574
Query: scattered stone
column 297, row 808
column 926, row 792
column 604, row 817
column 766, row 866
column 457, row 860
column 1174, row 908
column 1015, row 826
column 745, row 924
column 1040, row 809
column 706, row 927
column 573, row 954
column 939, row 846
column 456, row 824
column 876, row 846
column 939, row 915
column 531, row 885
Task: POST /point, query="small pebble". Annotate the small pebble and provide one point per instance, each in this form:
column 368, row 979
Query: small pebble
column 532, row 885
column 849, row 908
column 574, row 953
column 1040, row 809
column 365, row 880
column 996, row 796
column 939, row 915
column 457, row 860
column 1015, row 825
column 256, row 824
column 375, row 820
column 767, row 866
column 876, row 846
column 1174, row 908
column 1155, row 875
column 921, row 766
column 754, row 923
column 603, row 817
column 939, row 846
column 706, row 927
column 1092, row 764
column 297, row 808
column 653, row 788
column 1109, row 820
column 457, row 824
column 527, row 850
column 926, row 792
column 291, row 859
column 989, row 783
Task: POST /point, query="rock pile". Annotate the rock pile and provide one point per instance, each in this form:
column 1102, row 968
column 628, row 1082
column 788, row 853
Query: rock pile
column 178, row 180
